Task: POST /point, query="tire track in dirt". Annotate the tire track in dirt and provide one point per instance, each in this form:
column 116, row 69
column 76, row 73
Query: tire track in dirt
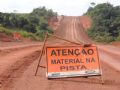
column 15, row 71
column 13, row 56
column 83, row 37
column 11, row 60
column 7, row 50
column 76, row 34
column 12, row 47
column 74, row 30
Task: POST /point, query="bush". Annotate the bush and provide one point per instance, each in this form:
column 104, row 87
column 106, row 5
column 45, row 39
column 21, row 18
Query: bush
column 35, row 22
column 22, row 32
column 7, row 31
column 106, row 22
column 101, row 36
column 118, row 38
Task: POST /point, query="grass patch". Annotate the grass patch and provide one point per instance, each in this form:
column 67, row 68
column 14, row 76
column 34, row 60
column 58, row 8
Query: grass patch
column 22, row 32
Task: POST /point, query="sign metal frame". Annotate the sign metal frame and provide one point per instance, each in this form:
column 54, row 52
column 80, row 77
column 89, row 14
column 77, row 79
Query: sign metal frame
column 54, row 36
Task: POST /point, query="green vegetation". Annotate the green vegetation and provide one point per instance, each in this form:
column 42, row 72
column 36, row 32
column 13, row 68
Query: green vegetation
column 34, row 24
column 106, row 22
column 24, row 33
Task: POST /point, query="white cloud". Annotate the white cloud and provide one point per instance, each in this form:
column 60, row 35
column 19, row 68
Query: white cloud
column 66, row 7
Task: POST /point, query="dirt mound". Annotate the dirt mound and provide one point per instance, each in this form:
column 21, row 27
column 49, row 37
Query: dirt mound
column 55, row 22
column 11, row 38
column 116, row 44
column 86, row 22
column 6, row 38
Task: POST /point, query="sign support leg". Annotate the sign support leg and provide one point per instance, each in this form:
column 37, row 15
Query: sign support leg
column 101, row 78
column 42, row 51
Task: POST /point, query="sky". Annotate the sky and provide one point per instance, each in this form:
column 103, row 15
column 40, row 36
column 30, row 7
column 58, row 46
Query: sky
column 63, row 7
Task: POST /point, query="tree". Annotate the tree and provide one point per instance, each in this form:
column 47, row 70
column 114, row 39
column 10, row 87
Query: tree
column 106, row 21
column 92, row 4
column 35, row 22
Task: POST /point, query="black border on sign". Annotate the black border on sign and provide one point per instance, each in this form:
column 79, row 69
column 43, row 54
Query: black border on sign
column 74, row 46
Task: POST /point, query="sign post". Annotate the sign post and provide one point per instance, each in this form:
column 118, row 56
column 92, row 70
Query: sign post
column 70, row 61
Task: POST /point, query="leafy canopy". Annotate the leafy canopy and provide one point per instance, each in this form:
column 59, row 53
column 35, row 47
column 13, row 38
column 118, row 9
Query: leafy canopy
column 106, row 22
column 35, row 22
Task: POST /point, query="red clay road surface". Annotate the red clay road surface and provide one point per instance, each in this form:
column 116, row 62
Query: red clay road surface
column 17, row 66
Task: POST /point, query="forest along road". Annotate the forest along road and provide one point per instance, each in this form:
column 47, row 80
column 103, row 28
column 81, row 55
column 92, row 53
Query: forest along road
column 73, row 29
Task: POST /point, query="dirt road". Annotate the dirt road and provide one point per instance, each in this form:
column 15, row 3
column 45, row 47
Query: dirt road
column 22, row 66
